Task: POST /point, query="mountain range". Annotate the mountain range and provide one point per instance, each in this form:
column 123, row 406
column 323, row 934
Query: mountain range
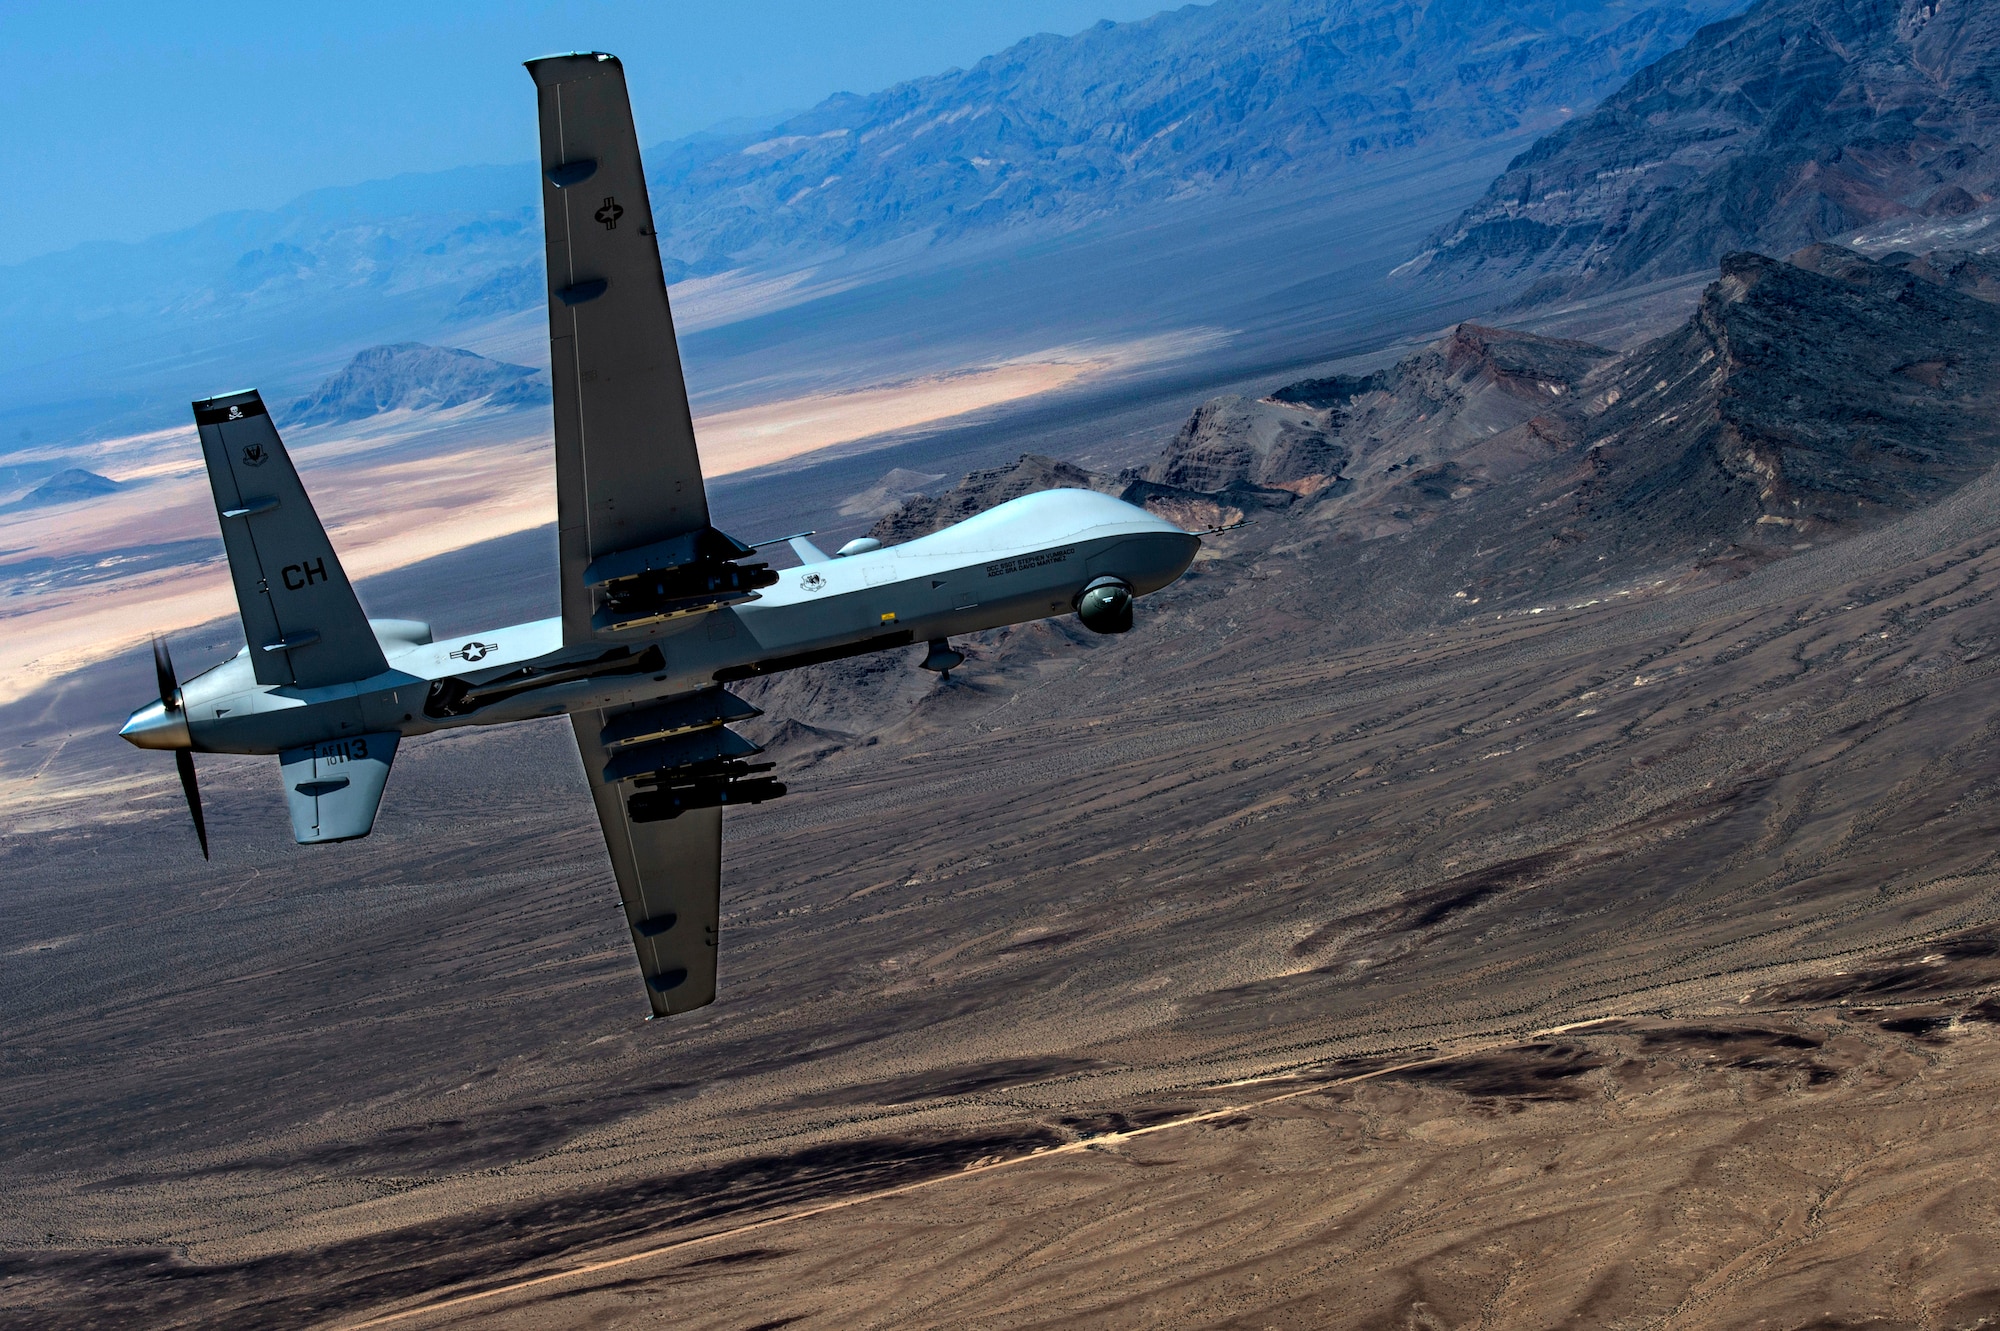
column 1802, row 402
column 1123, row 120
column 1798, row 121
column 1186, row 103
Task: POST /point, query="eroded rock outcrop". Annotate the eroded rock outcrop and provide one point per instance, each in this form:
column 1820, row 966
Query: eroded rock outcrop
column 1383, row 449
column 1259, row 451
column 1803, row 397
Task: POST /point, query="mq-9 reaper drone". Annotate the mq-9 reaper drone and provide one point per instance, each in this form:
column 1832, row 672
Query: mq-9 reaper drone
column 660, row 611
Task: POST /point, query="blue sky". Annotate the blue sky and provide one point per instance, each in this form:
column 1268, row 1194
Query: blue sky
column 127, row 119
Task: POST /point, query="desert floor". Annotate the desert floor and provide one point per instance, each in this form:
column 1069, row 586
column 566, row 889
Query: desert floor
column 1628, row 964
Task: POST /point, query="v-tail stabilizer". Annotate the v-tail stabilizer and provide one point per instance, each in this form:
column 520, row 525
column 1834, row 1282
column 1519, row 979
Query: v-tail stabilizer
column 300, row 616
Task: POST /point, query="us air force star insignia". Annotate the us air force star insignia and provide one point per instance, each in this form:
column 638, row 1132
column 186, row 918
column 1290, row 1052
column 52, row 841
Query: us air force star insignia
column 610, row 213
column 254, row 454
column 811, row 582
column 475, row 651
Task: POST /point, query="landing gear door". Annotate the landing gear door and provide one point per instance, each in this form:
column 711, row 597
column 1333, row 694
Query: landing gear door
column 334, row 787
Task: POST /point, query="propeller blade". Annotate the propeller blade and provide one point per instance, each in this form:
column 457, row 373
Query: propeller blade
column 184, row 760
column 163, row 669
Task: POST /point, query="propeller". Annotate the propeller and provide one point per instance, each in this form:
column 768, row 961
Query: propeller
column 170, row 700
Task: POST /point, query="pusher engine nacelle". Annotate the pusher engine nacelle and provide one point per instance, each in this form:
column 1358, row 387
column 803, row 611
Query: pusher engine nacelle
column 682, row 755
column 686, row 575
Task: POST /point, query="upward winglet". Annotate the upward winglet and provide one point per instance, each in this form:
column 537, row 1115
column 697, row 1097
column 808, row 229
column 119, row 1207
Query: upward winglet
column 300, row 615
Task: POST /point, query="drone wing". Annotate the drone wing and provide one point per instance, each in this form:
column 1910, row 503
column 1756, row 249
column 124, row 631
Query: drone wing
column 670, row 877
column 627, row 474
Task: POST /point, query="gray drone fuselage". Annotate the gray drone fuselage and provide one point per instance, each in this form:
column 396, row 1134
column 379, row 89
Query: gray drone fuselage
column 660, row 610
column 1026, row 559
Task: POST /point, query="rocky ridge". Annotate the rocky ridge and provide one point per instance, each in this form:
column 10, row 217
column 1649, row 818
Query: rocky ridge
column 1802, row 402
column 1395, row 434
column 1975, row 274
column 1799, row 121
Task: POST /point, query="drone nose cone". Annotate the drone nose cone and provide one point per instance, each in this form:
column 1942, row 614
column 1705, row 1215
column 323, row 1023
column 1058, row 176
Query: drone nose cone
column 154, row 727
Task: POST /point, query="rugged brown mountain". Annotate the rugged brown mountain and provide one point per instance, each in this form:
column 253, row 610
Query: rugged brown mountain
column 1357, row 438
column 1808, row 395
column 1802, row 401
column 1237, row 443
column 1800, row 121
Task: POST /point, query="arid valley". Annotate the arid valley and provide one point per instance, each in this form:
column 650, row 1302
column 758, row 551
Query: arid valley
column 1632, row 959
column 1540, row 866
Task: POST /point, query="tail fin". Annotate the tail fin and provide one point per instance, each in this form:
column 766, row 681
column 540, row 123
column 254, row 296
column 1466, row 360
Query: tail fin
column 300, row 615
column 334, row 787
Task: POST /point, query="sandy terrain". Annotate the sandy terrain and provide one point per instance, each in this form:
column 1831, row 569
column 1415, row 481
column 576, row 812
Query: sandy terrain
column 733, row 441
column 409, row 486
column 1089, row 886
column 1594, row 1177
column 403, row 490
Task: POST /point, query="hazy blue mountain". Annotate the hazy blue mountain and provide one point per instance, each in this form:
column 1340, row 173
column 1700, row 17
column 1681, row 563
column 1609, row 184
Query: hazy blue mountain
column 1800, row 121
column 1052, row 133
column 412, row 375
column 66, row 487
column 1188, row 102
column 396, row 234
